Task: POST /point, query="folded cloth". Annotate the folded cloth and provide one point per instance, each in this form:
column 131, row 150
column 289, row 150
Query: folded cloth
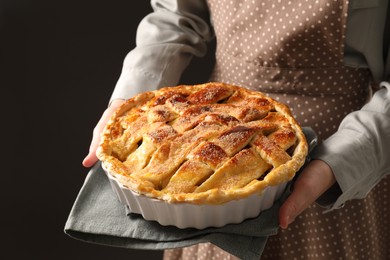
column 98, row 217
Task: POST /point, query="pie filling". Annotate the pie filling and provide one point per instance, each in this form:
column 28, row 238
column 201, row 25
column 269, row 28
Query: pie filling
column 207, row 143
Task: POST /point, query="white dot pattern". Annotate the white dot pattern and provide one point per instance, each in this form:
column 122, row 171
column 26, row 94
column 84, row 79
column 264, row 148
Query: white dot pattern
column 270, row 33
column 293, row 51
column 360, row 230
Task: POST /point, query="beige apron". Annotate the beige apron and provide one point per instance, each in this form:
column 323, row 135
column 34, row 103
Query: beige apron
column 293, row 51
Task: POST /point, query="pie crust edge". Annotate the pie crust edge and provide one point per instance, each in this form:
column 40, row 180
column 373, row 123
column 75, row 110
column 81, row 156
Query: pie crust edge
column 279, row 175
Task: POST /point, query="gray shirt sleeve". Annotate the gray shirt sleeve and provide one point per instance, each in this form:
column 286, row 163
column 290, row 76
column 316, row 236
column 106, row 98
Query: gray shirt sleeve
column 166, row 41
column 359, row 151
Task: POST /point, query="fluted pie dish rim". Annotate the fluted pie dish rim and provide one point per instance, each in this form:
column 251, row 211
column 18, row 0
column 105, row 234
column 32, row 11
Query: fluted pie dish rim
column 249, row 141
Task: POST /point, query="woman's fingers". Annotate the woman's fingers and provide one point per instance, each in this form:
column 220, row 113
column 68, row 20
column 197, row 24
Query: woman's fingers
column 315, row 179
column 91, row 157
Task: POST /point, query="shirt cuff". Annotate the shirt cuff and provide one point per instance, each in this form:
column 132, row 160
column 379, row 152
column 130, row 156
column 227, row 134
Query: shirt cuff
column 353, row 159
column 133, row 82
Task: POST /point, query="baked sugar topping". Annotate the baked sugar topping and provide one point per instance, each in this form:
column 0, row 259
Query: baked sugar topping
column 207, row 143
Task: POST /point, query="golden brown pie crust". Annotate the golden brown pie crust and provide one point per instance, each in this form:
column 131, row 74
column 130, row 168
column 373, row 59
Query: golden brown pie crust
column 204, row 144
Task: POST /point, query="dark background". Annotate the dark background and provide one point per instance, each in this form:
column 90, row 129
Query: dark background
column 59, row 62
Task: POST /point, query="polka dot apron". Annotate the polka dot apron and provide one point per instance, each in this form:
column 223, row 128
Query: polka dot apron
column 293, row 51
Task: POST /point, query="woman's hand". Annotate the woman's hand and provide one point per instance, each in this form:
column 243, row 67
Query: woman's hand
column 91, row 158
column 315, row 179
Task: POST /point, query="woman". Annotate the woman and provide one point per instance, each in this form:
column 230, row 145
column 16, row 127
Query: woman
column 324, row 59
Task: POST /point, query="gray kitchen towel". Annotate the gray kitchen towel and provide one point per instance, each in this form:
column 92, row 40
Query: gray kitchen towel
column 98, row 217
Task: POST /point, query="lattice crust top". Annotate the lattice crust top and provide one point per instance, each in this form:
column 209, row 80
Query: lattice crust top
column 205, row 144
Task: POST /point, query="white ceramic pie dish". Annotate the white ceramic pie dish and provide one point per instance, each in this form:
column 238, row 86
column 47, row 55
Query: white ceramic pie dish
column 187, row 215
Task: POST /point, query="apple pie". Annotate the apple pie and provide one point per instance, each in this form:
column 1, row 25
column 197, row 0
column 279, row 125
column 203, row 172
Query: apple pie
column 202, row 144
